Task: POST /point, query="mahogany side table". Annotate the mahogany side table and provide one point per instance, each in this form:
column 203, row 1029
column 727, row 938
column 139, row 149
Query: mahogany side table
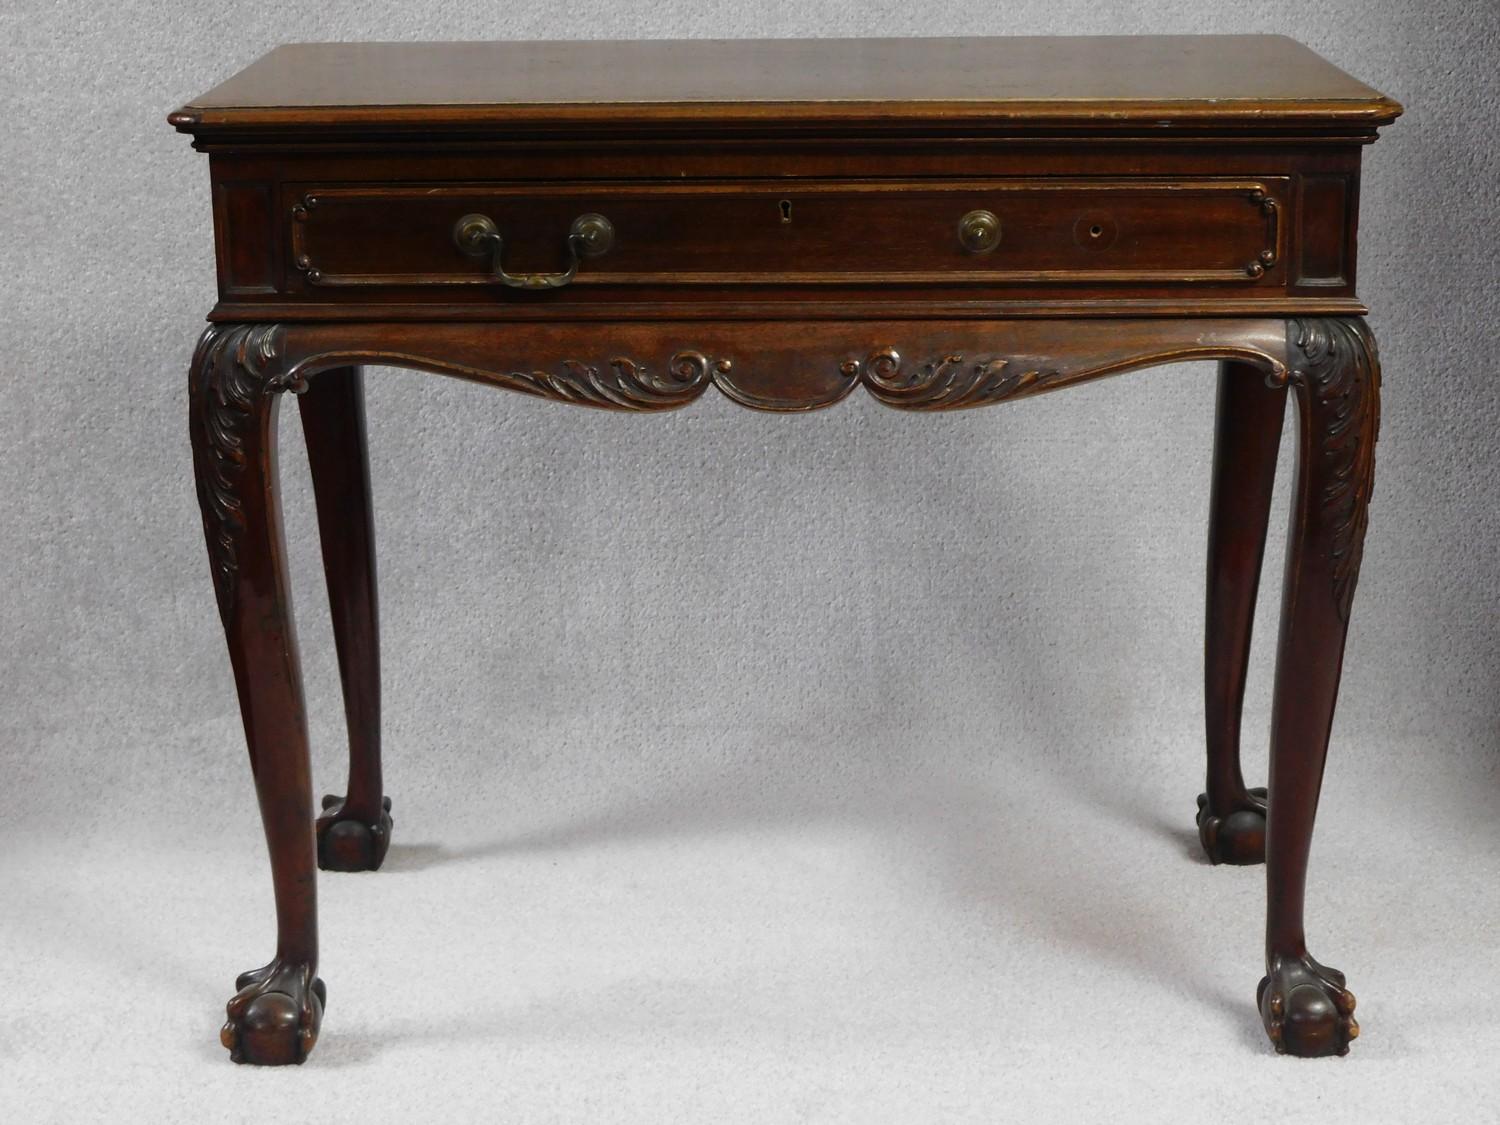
column 941, row 223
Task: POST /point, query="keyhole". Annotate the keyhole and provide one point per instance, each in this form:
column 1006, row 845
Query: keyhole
column 786, row 210
column 1095, row 231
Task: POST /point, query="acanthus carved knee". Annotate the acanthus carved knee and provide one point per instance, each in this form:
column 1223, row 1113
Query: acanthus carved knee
column 235, row 372
column 1336, row 370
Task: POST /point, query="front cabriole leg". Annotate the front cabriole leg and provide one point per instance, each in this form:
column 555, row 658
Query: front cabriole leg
column 237, row 374
column 1305, row 1006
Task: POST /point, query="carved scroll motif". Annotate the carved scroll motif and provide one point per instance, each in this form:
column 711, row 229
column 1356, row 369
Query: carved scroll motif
column 948, row 382
column 623, row 383
column 233, row 368
column 237, row 366
column 1340, row 368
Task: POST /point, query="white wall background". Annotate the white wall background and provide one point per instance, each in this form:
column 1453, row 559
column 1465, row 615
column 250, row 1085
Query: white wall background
column 673, row 622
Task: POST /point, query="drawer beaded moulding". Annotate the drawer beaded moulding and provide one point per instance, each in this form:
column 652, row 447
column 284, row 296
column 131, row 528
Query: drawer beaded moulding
column 943, row 223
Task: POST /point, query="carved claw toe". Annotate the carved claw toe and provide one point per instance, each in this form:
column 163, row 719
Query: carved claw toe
column 1306, row 1008
column 1237, row 836
column 348, row 841
column 273, row 1019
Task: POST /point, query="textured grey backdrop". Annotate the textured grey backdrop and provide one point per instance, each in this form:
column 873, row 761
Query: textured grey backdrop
column 643, row 628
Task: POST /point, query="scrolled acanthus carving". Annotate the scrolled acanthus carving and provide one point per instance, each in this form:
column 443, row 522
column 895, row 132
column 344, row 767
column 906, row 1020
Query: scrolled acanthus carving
column 1337, row 363
column 624, row 383
column 233, row 368
column 948, row 382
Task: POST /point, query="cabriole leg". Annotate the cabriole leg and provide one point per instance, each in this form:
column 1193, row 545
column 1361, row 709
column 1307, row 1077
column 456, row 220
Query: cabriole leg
column 1306, row 1008
column 354, row 831
column 1247, row 436
column 233, row 396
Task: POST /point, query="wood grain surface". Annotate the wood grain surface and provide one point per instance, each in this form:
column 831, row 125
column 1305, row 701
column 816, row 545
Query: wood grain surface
column 1249, row 80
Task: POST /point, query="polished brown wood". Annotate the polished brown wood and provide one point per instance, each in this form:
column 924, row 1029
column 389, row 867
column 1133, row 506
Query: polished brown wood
column 1101, row 81
column 1306, row 1007
column 941, row 224
column 354, row 831
column 1247, row 438
column 1180, row 232
column 275, row 1015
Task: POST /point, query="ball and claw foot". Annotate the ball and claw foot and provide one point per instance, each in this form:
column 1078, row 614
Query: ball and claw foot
column 275, row 1015
column 1307, row 1010
column 346, row 843
column 1237, row 837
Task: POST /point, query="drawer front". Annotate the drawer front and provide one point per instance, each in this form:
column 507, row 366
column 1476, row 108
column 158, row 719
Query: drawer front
column 876, row 233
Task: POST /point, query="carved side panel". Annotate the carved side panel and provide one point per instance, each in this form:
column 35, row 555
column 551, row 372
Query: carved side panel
column 234, row 369
column 1336, row 360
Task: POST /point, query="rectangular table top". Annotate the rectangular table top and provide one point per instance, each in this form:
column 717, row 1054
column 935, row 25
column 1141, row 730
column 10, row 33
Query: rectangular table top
column 1252, row 82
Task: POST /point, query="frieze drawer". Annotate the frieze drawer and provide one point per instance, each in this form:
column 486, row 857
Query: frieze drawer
column 514, row 239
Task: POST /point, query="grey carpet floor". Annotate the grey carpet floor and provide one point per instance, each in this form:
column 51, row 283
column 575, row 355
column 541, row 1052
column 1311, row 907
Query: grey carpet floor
column 910, row 945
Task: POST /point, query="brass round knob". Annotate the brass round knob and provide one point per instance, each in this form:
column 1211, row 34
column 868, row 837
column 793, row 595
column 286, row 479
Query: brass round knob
column 593, row 233
column 475, row 235
column 979, row 231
